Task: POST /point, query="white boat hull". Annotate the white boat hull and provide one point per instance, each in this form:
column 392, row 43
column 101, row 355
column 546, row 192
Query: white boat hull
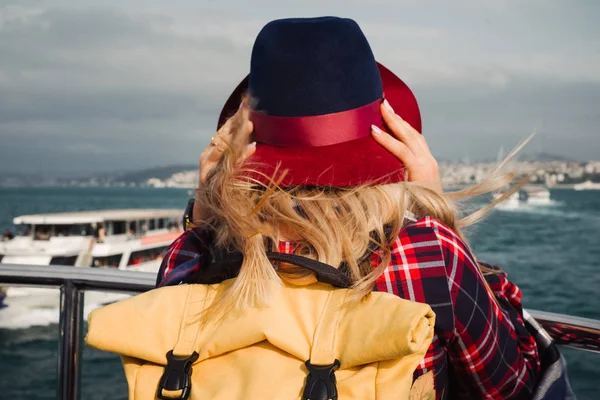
column 540, row 202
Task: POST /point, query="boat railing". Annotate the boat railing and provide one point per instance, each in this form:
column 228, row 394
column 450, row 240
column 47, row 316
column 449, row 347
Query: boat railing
column 576, row 332
column 73, row 282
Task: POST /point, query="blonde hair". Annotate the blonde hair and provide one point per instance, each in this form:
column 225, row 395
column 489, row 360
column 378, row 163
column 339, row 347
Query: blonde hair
column 337, row 226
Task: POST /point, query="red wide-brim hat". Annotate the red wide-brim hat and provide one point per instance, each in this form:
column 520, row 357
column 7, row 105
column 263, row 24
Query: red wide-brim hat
column 315, row 105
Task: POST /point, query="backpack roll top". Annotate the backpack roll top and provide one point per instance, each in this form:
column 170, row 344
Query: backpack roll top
column 307, row 337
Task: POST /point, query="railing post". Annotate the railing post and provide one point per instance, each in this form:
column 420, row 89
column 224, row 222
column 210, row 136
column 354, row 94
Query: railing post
column 69, row 348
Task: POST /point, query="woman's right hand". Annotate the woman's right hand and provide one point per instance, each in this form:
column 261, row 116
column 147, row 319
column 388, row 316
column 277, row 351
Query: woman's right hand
column 225, row 140
column 410, row 147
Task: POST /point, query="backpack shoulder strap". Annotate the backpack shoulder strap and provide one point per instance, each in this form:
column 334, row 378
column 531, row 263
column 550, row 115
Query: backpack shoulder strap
column 321, row 381
column 199, row 298
column 175, row 382
column 229, row 266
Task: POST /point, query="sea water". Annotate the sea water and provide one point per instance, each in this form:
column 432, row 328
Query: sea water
column 551, row 252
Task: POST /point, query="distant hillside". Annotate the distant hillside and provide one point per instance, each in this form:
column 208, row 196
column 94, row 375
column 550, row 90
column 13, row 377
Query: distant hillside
column 17, row 179
column 162, row 173
column 544, row 157
column 171, row 175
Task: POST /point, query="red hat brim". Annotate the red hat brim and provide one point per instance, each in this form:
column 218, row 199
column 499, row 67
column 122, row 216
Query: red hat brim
column 354, row 163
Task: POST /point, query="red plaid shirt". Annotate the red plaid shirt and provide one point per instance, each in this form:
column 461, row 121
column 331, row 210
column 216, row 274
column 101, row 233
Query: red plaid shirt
column 479, row 351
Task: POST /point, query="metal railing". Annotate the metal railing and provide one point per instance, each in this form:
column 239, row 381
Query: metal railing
column 72, row 282
column 577, row 332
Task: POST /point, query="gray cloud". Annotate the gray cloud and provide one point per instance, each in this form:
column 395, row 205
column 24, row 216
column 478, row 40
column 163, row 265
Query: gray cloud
column 91, row 88
column 459, row 122
column 104, row 88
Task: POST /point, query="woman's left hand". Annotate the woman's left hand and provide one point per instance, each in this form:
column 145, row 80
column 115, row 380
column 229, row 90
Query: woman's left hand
column 410, row 147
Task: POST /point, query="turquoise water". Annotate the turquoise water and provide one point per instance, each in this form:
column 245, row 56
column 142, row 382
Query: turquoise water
column 551, row 252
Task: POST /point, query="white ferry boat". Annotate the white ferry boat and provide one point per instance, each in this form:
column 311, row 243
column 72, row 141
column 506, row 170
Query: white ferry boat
column 587, row 185
column 129, row 239
column 124, row 239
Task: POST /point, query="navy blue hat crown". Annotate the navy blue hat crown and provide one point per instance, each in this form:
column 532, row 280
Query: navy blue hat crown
column 312, row 66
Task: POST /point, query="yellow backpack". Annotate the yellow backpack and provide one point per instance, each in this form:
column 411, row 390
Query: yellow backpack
column 307, row 344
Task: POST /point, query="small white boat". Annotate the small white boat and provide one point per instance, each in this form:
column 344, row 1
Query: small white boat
column 587, row 185
column 527, row 196
column 537, row 196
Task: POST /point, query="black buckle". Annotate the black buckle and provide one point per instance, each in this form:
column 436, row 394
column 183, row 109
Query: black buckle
column 321, row 382
column 188, row 215
column 177, row 376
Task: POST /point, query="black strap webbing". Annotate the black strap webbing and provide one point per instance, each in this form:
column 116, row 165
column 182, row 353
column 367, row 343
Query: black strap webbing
column 229, row 267
column 325, row 272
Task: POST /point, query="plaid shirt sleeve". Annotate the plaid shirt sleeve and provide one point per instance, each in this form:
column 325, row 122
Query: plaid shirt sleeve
column 480, row 350
column 183, row 258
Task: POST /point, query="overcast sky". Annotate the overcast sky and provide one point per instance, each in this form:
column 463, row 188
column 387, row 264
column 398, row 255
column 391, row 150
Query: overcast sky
column 91, row 85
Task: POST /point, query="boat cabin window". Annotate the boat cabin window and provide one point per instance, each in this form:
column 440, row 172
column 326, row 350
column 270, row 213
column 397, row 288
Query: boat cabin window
column 117, row 227
column 100, row 233
column 42, row 232
column 173, row 224
column 133, row 228
column 23, row 230
column 142, row 256
column 73, row 230
column 140, row 227
column 112, row 261
column 45, row 232
column 62, row 230
column 70, row 260
column 143, row 224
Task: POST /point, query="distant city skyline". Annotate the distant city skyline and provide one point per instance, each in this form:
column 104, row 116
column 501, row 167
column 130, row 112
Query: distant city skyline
column 89, row 86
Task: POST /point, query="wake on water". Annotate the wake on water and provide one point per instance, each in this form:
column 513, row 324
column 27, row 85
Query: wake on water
column 525, row 207
column 12, row 317
column 22, row 311
column 554, row 209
